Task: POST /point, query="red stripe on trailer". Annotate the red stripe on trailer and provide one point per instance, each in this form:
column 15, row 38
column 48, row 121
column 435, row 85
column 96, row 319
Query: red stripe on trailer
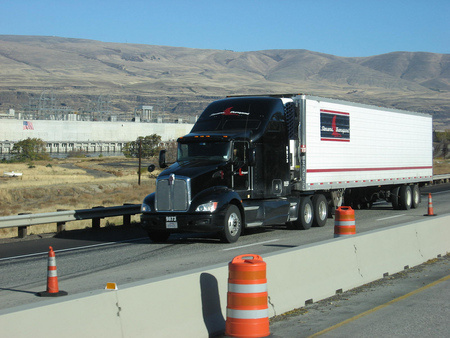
column 333, row 112
column 334, row 139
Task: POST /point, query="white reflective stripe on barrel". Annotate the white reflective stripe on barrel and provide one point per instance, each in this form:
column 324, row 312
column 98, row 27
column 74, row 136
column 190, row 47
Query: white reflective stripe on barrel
column 51, row 261
column 52, row 273
column 248, row 314
column 247, row 288
column 344, row 223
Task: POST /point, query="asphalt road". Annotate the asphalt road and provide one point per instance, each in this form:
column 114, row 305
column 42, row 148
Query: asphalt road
column 87, row 260
column 414, row 303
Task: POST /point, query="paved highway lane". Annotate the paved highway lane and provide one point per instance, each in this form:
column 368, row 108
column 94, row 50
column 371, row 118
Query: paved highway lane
column 88, row 260
column 412, row 303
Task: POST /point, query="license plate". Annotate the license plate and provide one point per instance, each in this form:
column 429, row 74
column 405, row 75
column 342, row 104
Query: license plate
column 171, row 222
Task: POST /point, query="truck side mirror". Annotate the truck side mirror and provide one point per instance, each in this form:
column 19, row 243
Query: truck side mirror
column 162, row 159
column 151, row 168
column 251, row 156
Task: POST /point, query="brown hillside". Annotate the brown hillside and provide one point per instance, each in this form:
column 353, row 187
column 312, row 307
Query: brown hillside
column 78, row 71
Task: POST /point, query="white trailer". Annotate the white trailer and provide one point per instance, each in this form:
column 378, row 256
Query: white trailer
column 369, row 151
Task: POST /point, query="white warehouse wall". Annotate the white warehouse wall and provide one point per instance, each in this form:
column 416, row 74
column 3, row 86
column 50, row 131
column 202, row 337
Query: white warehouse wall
column 82, row 131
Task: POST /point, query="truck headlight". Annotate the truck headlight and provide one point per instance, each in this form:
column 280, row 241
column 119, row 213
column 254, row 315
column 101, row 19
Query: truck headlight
column 207, row 207
column 145, row 208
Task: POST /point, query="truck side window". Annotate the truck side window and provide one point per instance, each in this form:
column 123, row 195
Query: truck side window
column 239, row 153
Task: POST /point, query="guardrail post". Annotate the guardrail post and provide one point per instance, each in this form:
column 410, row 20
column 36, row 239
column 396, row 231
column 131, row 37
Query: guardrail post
column 96, row 221
column 127, row 218
column 22, row 231
column 60, row 226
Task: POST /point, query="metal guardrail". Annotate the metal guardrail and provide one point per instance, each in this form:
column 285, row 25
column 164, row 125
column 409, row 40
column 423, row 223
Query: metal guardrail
column 22, row 221
column 445, row 178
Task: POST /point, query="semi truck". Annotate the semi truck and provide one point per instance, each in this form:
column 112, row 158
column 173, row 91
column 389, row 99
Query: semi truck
column 252, row 161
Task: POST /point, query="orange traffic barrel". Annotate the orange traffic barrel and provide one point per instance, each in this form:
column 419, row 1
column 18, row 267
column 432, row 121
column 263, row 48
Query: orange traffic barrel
column 344, row 222
column 52, row 278
column 247, row 305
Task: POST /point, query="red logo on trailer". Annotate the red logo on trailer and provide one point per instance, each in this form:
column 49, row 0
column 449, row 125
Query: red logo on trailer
column 334, row 126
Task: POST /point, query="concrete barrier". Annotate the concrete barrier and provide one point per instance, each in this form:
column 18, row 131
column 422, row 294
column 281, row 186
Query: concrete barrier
column 193, row 304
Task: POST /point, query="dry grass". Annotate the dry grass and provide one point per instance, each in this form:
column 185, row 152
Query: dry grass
column 70, row 184
column 441, row 166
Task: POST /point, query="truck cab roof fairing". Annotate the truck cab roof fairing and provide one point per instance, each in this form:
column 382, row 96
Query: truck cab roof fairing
column 238, row 114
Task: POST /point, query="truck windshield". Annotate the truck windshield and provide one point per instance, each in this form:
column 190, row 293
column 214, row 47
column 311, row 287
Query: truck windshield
column 204, row 151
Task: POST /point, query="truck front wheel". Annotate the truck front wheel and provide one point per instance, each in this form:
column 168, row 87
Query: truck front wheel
column 232, row 225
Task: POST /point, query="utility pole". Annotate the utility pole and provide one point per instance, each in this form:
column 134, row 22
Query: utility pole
column 140, row 155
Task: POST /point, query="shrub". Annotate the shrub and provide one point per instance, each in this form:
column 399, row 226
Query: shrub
column 147, row 146
column 31, row 149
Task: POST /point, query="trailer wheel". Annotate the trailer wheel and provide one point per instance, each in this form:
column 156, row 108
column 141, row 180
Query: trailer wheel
column 405, row 197
column 158, row 236
column 320, row 206
column 415, row 196
column 395, row 193
column 305, row 215
column 232, row 225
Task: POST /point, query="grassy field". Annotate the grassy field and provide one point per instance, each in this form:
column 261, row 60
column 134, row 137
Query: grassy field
column 71, row 184
column 82, row 184
column 441, row 166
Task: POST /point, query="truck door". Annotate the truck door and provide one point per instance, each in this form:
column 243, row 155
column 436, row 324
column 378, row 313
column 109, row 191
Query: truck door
column 240, row 176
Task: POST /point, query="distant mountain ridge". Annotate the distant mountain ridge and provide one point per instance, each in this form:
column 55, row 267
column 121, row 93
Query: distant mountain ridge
column 77, row 70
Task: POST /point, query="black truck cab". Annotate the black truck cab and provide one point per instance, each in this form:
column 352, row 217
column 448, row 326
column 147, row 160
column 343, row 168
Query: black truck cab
column 232, row 172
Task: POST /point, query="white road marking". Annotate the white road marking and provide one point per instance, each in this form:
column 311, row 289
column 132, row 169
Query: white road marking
column 385, row 218
column 244, row 246
column 73, row 249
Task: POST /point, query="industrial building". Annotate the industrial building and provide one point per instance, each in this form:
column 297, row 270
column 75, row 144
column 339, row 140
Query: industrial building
column 89, row 136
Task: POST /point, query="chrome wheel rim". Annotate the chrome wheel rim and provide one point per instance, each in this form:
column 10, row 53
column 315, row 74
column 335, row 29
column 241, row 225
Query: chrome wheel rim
column 307, row 214
column 322, row 210
column 233, row 224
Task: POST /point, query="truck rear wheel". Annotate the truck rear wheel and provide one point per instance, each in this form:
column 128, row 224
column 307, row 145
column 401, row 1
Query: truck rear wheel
column 415, row 196
column 320, row 206
column 305, row 215
column 158, row 236
column 395, row 193
column 405, row 197
column 232, row 225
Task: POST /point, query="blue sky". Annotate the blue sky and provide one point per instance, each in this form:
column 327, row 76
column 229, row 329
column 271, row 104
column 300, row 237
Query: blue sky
column 338, row 27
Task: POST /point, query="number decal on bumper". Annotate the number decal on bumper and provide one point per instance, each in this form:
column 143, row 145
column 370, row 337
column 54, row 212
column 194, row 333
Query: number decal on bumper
column 171, row 222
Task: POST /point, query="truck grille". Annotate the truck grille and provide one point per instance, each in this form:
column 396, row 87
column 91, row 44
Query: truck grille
column 172, row 193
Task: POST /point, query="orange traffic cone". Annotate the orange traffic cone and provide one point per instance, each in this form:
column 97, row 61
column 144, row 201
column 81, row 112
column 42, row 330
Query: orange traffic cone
column 430, row 206
column 52, row 278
